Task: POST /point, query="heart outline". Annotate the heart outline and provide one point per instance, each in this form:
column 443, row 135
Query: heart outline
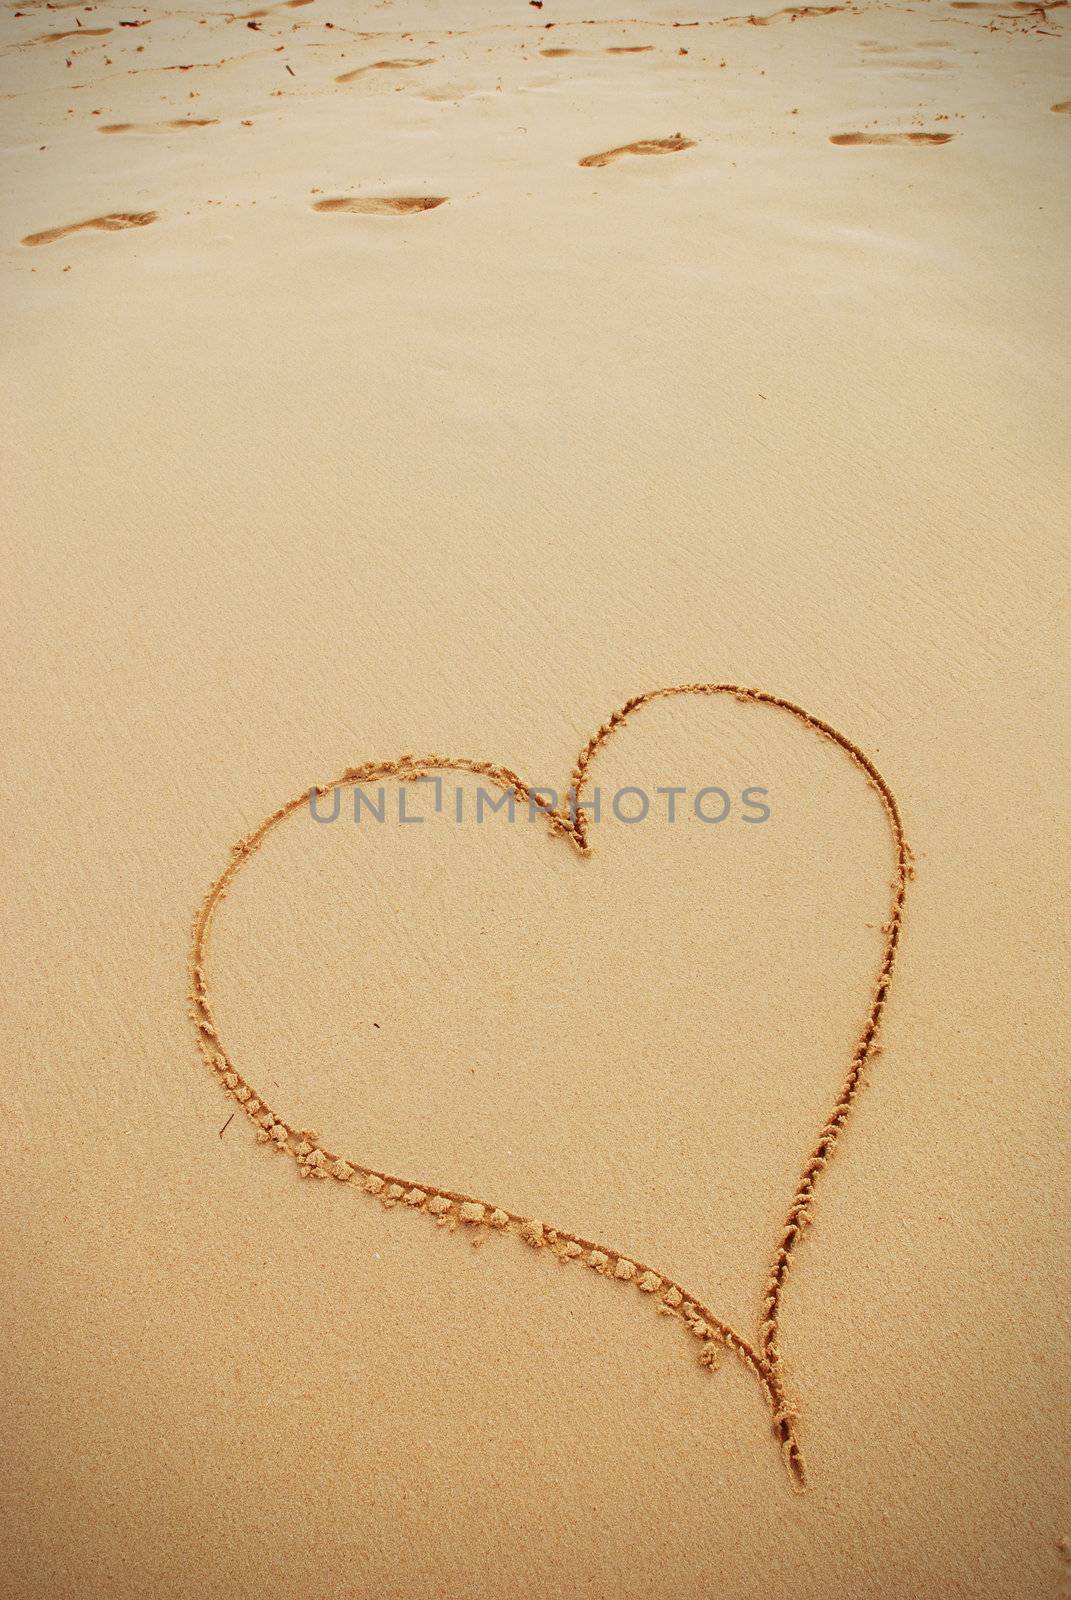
column 764, row 1358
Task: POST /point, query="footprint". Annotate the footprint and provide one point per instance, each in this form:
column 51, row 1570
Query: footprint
column 610, row 50
column 641, row 147
column 379, row 66
column 890, row 138
column 875, row 48
column 266, row 11
column 903, row 61
column 111, row 222
column 72, row 33
column 147, row 127
column 402, row 205
column 1062, row 105
column 791, row 12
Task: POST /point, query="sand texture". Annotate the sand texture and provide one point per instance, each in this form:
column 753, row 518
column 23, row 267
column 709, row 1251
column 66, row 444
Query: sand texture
column 389, row 395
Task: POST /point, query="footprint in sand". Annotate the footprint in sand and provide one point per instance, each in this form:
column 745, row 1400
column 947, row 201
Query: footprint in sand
column 266, row 11
column 641, row 147
column 890, row 138
column 610, row 50
column 903, row 60
column 111, row 222
column 1062, row 105
column 72, row 33
column 149, row 127
column 384, row 66
column 402, row 205
column 793, row 13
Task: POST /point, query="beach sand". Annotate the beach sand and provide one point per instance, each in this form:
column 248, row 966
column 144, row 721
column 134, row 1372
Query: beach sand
column 432, row 381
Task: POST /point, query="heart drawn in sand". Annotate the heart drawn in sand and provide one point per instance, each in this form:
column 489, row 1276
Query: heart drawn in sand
column 568, row 822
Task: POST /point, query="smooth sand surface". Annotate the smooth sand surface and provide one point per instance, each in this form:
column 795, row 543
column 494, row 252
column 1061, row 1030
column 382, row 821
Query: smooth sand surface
column 434, row 379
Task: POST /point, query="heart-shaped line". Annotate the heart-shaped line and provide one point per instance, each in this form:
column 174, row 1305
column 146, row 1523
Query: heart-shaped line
column 447, row 1206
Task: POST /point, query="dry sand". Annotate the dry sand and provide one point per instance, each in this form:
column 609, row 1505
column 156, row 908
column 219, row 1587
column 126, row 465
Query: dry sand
column 434, row 379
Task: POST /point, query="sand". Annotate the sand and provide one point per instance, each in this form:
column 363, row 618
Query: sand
column 431, row 382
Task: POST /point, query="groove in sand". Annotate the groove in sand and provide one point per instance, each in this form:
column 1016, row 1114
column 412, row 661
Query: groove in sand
column 450, row 1208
